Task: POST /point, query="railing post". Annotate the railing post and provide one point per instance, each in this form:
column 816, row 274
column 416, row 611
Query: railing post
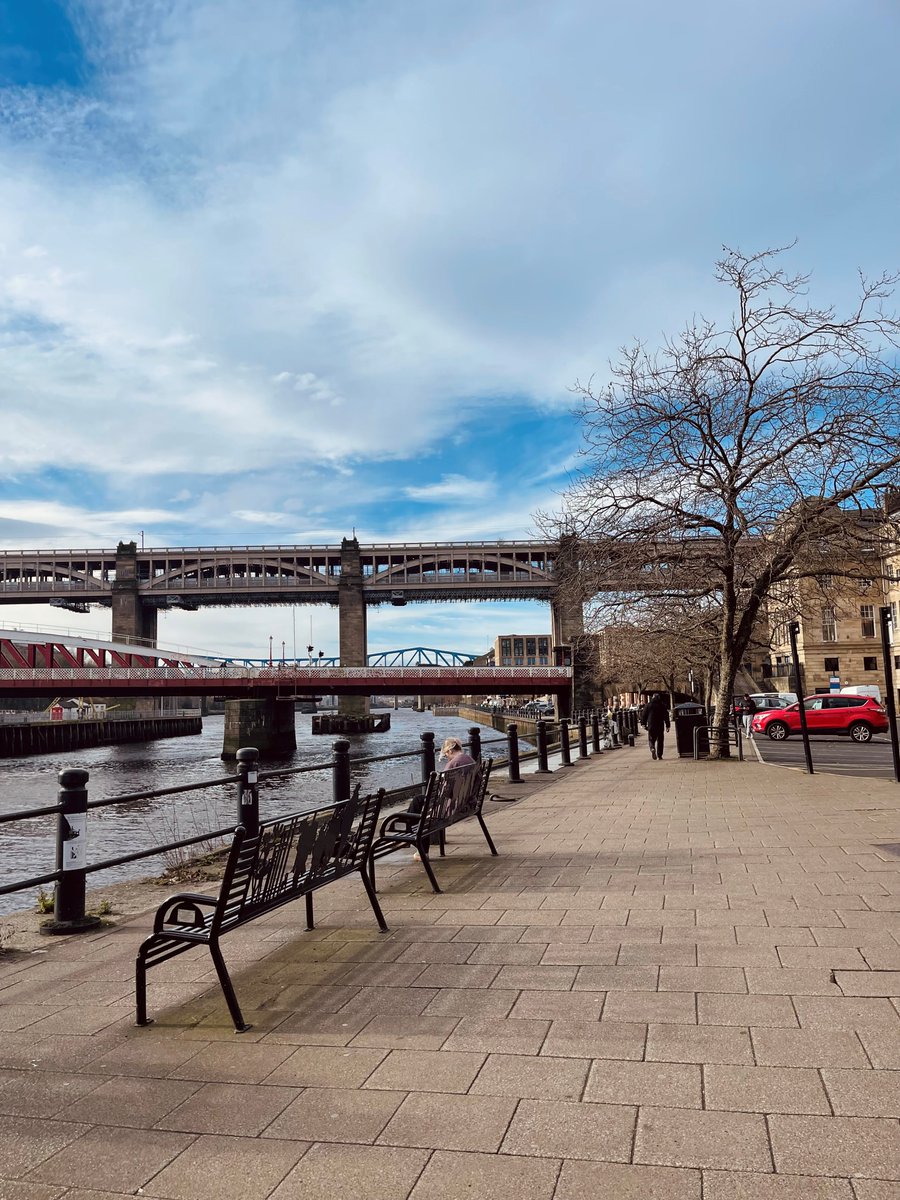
column 565, row 749
column 475, row 742
column 248, row 789
column 427, row 740
column 340, row 772
column 595, row 732
column 582, row 737
column 512, row 750
column 71, row 857
column 543, row 763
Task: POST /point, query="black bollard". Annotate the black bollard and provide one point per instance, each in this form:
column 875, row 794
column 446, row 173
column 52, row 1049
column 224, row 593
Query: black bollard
column 248, row 789
column 565, row 750
column 340, row 771
column 475, row 742
column 543, row 763
column 582, row 737
column 71, row 857
column 595, row 733
column 613, row 733
column 427, row 740
column 512, row 750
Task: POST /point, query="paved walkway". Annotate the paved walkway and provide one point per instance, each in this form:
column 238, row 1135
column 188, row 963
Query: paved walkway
column 674, row 982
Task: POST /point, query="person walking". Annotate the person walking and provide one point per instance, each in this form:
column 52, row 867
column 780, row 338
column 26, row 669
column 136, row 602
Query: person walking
column 655, row 719
column 748, row 712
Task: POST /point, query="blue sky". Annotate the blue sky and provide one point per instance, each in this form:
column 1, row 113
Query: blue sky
column 272, row 272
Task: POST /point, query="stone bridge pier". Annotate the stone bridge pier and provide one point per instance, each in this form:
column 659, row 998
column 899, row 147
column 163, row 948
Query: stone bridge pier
column 133, row 620
column 352, row 623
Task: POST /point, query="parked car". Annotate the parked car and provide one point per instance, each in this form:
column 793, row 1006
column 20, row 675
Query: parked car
column 857, row 716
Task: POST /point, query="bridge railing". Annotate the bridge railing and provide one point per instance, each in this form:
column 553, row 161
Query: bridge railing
column 73, row 806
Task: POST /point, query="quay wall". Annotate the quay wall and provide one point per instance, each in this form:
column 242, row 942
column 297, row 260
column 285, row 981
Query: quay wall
column 52, row 736
column 526, row 726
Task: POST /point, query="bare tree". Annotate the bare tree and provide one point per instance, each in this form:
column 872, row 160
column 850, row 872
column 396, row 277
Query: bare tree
column 735, row 458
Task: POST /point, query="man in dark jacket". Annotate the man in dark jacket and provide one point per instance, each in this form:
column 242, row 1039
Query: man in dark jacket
column 655, row 719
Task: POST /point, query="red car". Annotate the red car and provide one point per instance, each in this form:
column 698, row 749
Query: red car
column 858, row 716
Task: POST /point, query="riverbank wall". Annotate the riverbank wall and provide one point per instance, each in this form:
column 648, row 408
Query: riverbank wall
column 49, row 737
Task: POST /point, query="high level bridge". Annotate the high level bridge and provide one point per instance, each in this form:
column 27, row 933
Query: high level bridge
column 138, row 583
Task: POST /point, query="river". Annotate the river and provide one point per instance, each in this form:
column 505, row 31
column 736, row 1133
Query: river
column 27, row 848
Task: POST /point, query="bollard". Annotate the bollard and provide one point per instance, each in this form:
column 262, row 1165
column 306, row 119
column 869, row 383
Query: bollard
column 340, row 772
column 565, row 750
column 475, row 742
column 248, row 789
column 427, row 740
column 631, row 740
column 614, row 734
column 595, row 733
column 582, row 737
column 543, row 764
column 512, row 750
column 71, row 857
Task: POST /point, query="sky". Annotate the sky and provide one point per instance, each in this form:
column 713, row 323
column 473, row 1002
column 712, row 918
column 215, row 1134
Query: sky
column 279, row 272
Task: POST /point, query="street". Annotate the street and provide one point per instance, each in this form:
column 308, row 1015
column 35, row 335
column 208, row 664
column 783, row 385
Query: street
column 831, row 755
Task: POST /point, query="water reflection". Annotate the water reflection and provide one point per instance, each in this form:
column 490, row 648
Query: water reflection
column 28, row 847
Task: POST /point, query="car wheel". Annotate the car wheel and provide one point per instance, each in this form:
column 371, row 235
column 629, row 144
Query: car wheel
column 860, row 731
column 777, row 731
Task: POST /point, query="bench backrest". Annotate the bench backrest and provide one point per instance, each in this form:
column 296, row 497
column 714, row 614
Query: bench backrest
column 292, row 855
column 454, row 794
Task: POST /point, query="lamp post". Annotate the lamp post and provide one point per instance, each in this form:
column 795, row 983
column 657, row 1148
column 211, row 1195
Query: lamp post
column 282, row 653
column 793, row 630
column 309, row 654
column 890, row 702
column 270, row 649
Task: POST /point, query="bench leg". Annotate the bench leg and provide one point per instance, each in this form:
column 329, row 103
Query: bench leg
column 484, row 830
column 422, row 847
column 309, row 911
column 373, row 900
column 140, row 992
column 370, row 868
column 240, row 1025
column 442, row 841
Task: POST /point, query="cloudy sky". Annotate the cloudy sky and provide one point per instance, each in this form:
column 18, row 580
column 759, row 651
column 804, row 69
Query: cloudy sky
column 273, row 272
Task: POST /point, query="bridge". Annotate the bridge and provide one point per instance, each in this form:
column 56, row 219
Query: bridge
column 194, row 576
column 138, row 584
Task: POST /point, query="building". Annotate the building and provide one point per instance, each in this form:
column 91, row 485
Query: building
column 523, row 650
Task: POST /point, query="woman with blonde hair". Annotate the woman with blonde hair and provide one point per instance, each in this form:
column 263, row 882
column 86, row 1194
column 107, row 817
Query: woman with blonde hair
column 452, row 750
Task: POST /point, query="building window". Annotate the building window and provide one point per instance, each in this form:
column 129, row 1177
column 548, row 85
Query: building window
column 867, row 619
column 829, row 624
column 897, row 662
column 505, row 646
column 531, row 660
column 833, row 665
column 870, row 662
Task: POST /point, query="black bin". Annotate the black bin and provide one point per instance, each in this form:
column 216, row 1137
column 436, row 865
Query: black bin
column 689, row 717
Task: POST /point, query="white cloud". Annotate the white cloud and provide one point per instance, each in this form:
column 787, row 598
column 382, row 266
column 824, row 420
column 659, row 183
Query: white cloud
column 452, row 488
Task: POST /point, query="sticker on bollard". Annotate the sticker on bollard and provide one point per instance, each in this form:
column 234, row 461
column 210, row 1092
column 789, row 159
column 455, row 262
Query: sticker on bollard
column 74, row 841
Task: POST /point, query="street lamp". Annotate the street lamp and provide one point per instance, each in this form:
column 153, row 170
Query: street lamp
column 270, row 649
column 282, row 653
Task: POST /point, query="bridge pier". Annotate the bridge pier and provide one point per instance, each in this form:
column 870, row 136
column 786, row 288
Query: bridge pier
column 567, row 624
column 132, row 619
column 352, row 623
column 266, row 724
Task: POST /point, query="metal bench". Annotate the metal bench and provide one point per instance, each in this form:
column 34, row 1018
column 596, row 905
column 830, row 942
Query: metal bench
column 450, row 796
column 288, row 858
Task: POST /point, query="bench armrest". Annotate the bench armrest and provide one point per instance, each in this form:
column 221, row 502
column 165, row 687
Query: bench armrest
column 187, row 900
column 404, row 820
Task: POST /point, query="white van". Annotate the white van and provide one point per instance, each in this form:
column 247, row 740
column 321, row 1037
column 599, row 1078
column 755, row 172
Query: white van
column 863, row 689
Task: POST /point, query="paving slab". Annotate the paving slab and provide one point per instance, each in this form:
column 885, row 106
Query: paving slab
column 677, row 980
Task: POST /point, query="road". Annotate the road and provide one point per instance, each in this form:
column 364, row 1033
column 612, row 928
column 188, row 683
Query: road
column 830, row 755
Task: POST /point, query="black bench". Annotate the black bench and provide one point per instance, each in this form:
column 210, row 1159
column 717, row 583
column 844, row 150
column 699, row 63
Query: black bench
column 450, row 796
column 290, row 857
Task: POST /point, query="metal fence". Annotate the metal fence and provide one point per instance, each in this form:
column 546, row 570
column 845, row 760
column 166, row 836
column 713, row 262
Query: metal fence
column 73, row 804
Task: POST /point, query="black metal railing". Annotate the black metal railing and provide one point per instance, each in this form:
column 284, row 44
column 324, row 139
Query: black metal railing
column 73, row 803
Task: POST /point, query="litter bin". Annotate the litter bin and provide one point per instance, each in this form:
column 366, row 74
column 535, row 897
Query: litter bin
column 689, row 717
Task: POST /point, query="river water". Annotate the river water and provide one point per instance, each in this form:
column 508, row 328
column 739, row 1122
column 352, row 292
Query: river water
column 27, row 848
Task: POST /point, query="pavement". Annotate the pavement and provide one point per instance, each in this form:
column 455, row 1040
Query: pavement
column 675, row 981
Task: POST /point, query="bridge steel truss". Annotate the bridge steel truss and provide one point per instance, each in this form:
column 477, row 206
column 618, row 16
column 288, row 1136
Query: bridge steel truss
column 192, row 577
